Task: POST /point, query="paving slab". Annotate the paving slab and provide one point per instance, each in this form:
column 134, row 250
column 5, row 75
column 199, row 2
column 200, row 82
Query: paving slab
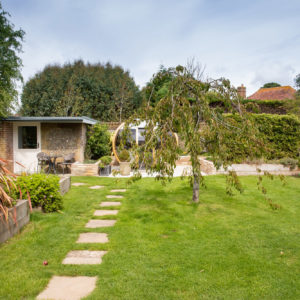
column 78, row 183
column 107, row 204
column 68, row 288
column 100, row 223
column 100, row 213
column 84, row 257
column 114, row 196
column 96, row 187
column 92, row 237
column 118, row 191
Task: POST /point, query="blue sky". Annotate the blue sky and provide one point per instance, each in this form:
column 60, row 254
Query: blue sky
column 248, row 41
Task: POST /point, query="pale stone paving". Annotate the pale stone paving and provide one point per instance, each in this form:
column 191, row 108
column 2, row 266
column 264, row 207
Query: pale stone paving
column 68, row 288
column 75, row 288
column 84, row 257
column 107, row 204
column 114, row 196
column 100, row 223
column 92, row 237
column 96, row 187
column 99, row 213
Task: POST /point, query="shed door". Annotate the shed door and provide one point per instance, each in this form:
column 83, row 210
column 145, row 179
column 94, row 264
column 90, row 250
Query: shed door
column 27, row 144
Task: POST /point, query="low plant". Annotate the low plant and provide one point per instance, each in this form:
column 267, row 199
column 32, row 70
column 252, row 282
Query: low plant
column 124, row 156
column 105, row 161
column 7, row 187
column 43, row 189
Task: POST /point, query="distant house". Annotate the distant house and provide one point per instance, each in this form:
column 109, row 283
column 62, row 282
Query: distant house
column 22, row 138
column 275, row 93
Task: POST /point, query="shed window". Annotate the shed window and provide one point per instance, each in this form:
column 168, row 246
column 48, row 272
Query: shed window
column 27, row 137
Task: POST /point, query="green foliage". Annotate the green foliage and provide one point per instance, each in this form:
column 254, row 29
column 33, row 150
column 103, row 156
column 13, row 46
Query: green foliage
column 10, row 62
column 297, row 83
column 280, row 135
column 103, row 92
column 270, row 85
column 105, row 161
column 98, row 141
column 124, row 155
column 158, row 86
column 186, row 109
column 43, row 190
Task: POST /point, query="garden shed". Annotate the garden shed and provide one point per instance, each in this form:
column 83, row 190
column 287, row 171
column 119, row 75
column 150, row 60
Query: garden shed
column 22, row 138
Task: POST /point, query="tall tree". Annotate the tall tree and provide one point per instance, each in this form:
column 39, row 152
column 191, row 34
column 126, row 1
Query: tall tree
column 103, row 92
column 297, row 83
column 10, row 62
column 185, row 109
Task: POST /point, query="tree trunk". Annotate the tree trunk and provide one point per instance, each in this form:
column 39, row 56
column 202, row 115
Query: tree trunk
column 196, row 189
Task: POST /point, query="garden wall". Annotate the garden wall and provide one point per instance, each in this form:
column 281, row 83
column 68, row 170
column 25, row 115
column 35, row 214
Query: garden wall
column 10, row 229
column 79, row 169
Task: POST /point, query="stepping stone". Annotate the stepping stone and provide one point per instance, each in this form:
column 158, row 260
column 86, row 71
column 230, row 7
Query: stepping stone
column 78, row 184
column 84, row 257
column 100, row 223
column 118, row 191
column 68, row 288
column 114, row 196
column 99, row 213
column 92, row 237
column 96, row 187
column 107, row 204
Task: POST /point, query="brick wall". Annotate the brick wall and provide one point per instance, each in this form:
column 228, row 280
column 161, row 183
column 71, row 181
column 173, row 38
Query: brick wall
column 6, row 142
column 64, row 139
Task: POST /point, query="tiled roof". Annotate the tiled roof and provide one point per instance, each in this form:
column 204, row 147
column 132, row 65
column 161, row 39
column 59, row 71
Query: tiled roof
column 275, row 93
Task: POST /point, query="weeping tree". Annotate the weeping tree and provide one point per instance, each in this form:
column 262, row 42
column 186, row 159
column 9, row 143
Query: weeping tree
column 185, row 109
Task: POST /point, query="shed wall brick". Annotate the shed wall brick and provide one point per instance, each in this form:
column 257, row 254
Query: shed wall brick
column 6, row 143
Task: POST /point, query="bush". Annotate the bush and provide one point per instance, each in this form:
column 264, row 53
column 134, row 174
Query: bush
column 280, row 134
column 124, row 156
column 105, row 161
column 43, row 190
column 98, row 142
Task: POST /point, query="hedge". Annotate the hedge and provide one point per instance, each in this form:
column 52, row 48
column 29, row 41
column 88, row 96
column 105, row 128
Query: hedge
column 280, row 134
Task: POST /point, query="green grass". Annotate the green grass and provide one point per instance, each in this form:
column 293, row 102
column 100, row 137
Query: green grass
column 164, row 247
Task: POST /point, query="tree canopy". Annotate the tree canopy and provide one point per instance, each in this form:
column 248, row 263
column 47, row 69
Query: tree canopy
column 10, row 62
column 271, row 85
column 297, row 83
column 185, row 108
column 103, row 92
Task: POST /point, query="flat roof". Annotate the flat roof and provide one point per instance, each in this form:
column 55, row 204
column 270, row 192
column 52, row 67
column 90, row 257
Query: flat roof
column 84, row 120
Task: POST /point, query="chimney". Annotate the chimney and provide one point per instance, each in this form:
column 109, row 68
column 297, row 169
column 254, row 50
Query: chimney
column 241, row 90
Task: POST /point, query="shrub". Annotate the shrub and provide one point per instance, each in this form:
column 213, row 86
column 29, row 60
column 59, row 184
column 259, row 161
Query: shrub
column 98, row 142
column 43, row 190
column 124, row 156
column 280, row 134
column 105, row 161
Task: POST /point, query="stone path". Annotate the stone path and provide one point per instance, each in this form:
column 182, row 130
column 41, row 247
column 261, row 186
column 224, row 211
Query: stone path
column 62, row 287
column 78, row 184
column 92, row 237
column 100, row 213
column 84, row 257
column 107, row 204
column 75, row 288
column 96, row 187
column 100, row 223
column 114, row 196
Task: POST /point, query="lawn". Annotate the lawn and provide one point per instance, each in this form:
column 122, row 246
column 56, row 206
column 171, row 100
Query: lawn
column 164, row 247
